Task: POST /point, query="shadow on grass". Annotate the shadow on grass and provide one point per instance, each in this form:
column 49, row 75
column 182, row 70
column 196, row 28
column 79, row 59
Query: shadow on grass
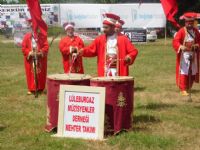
column 145, row 119
column 197, row 107
column 139, row 89
column 2, row 127
column 156, row 106
column 141, row 122
column 195, row 91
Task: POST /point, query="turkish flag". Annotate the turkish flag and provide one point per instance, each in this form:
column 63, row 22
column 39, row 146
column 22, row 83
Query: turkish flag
column 170, row 8
column 36, row 16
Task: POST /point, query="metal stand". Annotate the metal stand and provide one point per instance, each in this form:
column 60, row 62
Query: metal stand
column 190, row 78
column 35, row 60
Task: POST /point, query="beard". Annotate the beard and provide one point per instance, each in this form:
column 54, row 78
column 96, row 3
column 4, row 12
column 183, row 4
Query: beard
column 189, row 27
column 70, row 34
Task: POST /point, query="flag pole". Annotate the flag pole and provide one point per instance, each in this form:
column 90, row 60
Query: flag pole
column 60, row 14
column 166, row 33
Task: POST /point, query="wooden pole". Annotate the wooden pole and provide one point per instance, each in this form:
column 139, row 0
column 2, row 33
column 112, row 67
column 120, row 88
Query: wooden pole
column 166, row 33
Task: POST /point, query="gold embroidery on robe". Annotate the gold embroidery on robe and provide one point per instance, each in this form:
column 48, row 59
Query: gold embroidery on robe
column 121, row 100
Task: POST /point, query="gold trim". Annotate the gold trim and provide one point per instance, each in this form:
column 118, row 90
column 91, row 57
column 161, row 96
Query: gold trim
column 121, row 100
column 179, row 71
column 105, row 52
column 117, row 51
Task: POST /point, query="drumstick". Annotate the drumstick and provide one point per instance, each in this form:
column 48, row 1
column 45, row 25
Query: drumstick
column 112, row 61
column 74, row 56
column 108, row 68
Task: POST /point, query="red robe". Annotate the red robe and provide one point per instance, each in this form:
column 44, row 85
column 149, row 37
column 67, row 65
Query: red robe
column 68, row 61
column 42, row 62
column 177, row 42
column 114, row 112
column 125, row 48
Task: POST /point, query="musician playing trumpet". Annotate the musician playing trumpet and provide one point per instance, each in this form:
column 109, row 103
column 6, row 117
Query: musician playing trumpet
column 186, row 44
column 69, row 46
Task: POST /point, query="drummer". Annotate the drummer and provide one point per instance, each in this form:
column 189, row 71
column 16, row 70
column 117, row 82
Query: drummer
column 69, row 47
column 115, row 53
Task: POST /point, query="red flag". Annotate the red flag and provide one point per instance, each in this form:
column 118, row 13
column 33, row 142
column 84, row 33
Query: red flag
column 36, row 15
column 170, row 8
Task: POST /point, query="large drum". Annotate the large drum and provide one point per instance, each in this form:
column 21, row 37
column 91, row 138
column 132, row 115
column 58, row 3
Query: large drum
column 119, row 102
column 53, row 86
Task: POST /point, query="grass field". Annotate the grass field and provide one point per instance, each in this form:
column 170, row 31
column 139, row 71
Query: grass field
column 162, row 119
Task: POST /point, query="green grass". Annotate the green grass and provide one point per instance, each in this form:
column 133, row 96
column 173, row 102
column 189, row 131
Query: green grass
column 162, row 120
column 139, row 140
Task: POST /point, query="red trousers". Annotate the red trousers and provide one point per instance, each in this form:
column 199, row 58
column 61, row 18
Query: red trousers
column 184, row 82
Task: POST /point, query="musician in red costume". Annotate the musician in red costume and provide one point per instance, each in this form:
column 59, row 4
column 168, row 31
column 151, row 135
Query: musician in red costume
column 40, row 45
column 69, row 47
column 114, row 54
column 114, row 51
column 186, row 44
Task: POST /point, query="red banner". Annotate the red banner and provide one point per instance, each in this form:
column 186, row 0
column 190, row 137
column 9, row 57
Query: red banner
column 170, row 8
column 36, row 16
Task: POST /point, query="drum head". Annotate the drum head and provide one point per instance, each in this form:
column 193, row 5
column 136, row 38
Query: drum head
column 71, row 76
column 117, row 78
